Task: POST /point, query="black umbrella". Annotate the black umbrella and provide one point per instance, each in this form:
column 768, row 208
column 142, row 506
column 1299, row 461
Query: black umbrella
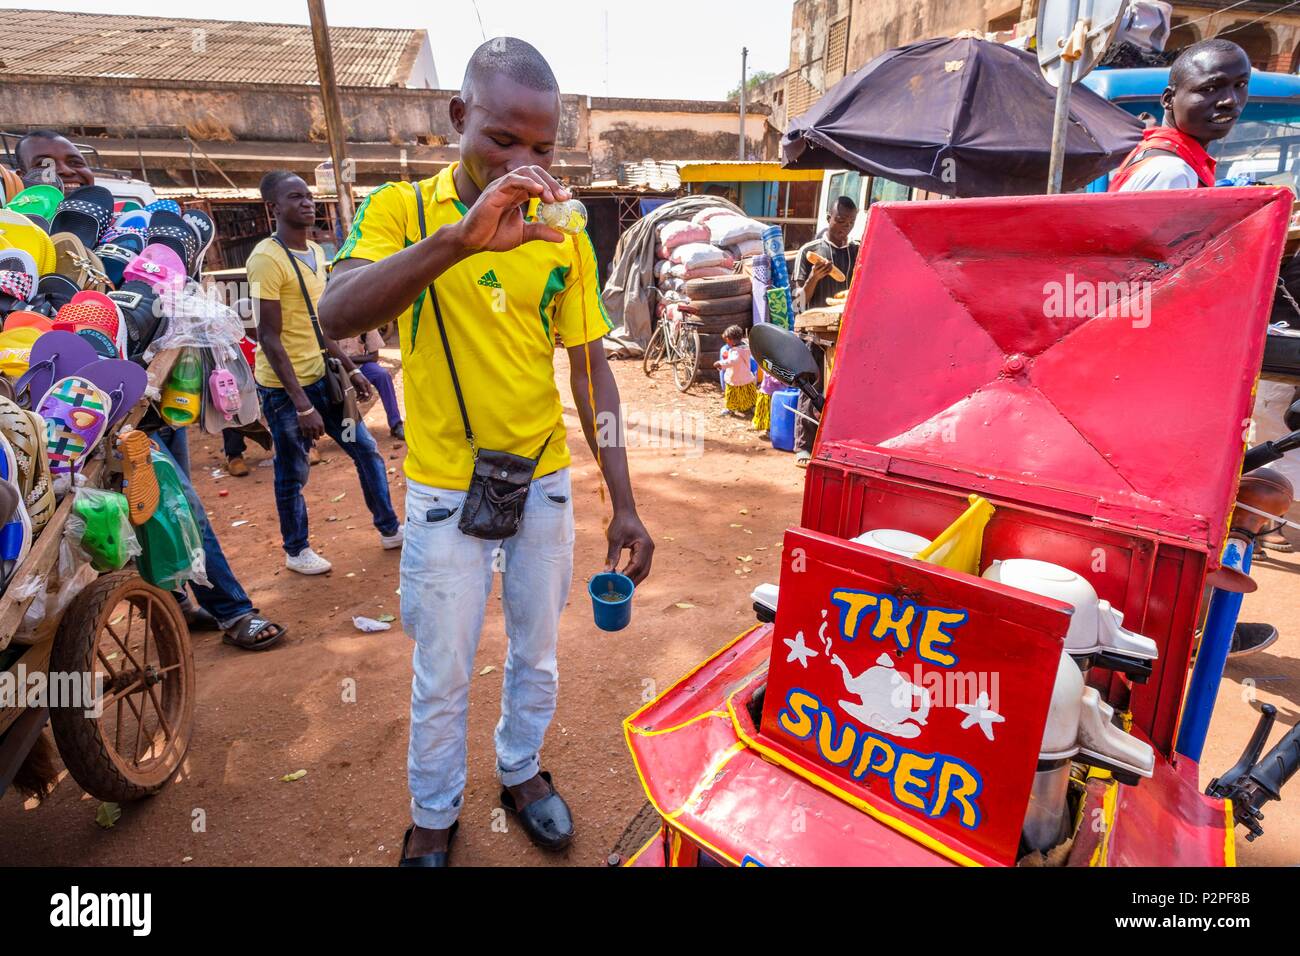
column 962, row 117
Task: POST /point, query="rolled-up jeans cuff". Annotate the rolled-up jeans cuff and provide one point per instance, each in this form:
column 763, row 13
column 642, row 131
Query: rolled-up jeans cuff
column 434, row 819
column 513, row 778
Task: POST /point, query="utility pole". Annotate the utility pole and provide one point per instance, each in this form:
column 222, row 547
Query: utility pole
column 329, row 94
column 744, row 55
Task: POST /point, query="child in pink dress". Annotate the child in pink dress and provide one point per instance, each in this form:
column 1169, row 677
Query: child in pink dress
column 741, row 388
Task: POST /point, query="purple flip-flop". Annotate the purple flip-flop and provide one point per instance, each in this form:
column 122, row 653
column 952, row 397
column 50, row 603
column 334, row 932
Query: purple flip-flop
column 55, row 355
column 123, row 382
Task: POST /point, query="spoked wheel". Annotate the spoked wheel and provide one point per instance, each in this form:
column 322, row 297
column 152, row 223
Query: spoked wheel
column 687, row 365
column 654, row 351
column 132, row 637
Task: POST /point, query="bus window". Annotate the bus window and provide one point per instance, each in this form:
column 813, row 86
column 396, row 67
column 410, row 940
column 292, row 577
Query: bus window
column 885, row 190
column 842, row 184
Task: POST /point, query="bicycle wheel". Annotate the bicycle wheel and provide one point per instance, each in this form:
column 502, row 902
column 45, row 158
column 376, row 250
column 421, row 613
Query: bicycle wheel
column 687, row 365
column 654, row 352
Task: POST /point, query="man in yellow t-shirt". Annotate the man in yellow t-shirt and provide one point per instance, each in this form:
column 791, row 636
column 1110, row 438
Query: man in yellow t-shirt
column 506, row 288
column 290, row 373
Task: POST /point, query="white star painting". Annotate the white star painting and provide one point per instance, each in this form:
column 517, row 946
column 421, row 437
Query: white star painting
column 799, row 651
column 982, row 714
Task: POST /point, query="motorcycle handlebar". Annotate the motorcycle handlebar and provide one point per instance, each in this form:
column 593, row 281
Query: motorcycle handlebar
column 1269, row 452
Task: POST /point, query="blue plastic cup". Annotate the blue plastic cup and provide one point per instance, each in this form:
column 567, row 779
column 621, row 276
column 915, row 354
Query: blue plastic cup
column 611, row 600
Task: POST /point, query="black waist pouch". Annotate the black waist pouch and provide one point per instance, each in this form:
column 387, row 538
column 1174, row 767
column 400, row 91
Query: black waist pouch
column 498, row 491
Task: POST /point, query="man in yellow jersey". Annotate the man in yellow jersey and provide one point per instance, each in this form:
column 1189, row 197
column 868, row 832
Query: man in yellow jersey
column 286, row 274
column 503, row 287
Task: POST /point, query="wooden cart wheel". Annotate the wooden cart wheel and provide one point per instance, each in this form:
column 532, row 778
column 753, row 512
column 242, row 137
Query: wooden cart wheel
column 654, row 351
column 134, row 636
column 687, row 365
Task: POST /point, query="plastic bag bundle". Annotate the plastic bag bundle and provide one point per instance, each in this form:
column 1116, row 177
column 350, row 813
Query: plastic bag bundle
column 99, row 528
column 196, row 319
column 172, row 548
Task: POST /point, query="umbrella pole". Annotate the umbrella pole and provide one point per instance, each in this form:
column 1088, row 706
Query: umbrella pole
column 1061, row 119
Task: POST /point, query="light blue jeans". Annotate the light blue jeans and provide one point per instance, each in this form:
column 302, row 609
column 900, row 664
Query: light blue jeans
column 446, row 580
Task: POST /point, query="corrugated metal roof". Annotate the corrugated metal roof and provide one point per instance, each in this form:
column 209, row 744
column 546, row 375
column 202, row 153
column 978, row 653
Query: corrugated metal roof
column 98, row 45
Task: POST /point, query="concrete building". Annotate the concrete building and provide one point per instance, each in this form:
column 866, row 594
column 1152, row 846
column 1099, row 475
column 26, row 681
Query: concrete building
column 202, row 109
column 832, row 38
column 204, row 103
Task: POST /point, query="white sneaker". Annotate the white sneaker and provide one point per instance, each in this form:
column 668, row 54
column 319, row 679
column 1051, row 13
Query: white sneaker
column 394, row 540
column 306, row 561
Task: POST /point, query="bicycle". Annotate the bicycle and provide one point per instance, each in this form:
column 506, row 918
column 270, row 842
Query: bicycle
column 678, row 345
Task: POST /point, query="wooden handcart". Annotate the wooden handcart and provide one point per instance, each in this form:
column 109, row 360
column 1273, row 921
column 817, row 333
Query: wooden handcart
column 129, row 634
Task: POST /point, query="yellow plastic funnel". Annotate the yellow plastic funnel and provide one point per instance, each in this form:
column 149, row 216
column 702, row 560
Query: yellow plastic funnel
column 958, row 546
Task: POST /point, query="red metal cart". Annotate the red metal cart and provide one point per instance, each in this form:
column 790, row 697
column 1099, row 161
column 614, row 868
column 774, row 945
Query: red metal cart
column 1085, row 364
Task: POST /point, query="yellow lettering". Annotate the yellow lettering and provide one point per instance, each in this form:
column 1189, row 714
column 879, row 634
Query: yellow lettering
column 825, row 735
column 870, row 747
column 960, row 795
column 854, row 604
column 886, row 622
column 933, row 635
column 906, row 777
column 797, row 719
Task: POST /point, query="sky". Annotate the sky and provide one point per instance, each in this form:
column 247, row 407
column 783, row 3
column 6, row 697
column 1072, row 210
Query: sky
column 671, row 49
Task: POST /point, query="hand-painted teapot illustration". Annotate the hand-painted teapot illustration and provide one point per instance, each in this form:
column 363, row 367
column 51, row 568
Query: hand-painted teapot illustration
column 885, row 698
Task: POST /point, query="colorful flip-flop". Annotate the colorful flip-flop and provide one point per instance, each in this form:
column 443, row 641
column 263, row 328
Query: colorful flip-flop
column 123, row 382
column 115, row 258
column 85, row 212
column 40, row 200
column 102, row 518
column 137, row 301
column 141, row 485
column 170, row 230
column 76, row 413
column 18, row 274
column 24, row 443
column 201, row 223
column 95, row 312
column 24, row 319
column 16, row 345
column 75, row 262
column 53, row 356
column 16, row 533
column 19, row 232
column 163, row 205
column 159, row 266
column 40, row 500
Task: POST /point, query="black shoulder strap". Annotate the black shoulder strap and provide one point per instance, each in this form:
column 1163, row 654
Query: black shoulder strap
column 302, row 286
column 442, row 330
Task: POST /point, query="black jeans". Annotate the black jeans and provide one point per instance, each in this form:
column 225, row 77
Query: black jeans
column 233, row 443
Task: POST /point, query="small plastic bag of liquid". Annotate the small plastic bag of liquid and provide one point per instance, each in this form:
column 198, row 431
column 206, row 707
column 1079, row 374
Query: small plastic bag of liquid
column 568, row 217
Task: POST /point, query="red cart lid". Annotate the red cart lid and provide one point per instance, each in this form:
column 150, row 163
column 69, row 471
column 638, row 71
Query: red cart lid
column 1094, row 354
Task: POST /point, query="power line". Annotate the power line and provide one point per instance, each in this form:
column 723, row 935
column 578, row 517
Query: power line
column 1243, row 26
column 1209, row 15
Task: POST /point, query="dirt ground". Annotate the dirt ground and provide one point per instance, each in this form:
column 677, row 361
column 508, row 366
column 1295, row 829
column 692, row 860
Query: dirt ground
column 262, row 716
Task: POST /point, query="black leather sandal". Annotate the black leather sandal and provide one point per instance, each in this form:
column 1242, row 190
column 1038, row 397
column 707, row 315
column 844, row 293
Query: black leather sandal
column 442, row 858
column 547, row 820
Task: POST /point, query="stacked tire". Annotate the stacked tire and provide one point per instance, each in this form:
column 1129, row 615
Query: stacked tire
column 717, row 302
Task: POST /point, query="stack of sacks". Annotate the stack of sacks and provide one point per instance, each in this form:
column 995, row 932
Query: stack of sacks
column 685, row 253
column 696, row 276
